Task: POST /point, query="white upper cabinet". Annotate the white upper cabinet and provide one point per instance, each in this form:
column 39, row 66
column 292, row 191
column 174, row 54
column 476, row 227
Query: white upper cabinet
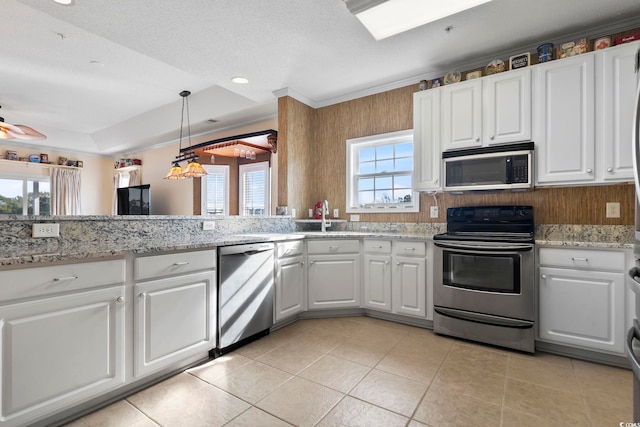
column 615, row 98
column 564, row 130
column 426, row 140
column 506, row 100
column 462, row 115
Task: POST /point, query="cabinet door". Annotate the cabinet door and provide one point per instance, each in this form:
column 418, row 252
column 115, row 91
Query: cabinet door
column 506, row 100
column 289, row 283
column 409, row 286
column 60, row 351
column 564, row 111
column 377, row 282
column 333, row 281
column 582, row 308
column 462, row 115
column 426, row 140
column 616, row 84
column 174, row 318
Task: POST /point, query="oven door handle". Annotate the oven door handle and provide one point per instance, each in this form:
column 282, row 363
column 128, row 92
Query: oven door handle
column 632, row 334
column 500, row 248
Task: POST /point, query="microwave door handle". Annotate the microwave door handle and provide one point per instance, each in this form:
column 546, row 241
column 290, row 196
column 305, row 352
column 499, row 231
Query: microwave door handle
column 508, row 164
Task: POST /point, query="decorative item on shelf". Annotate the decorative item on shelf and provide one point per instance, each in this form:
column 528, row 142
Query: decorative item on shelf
column 436, row 83
column 20, row 132
column 34, row 158
column 423, row 85
column 573, row 48
column 193, row 168
column 602, row 43
column 44, row 158
column 80, row 163
column 545, row 52
column 495, row 66
column 137, row 162
column 23, row 159
column 628, row 38
column 72, row 163
column 62, row 161
column 519, row 61
column 473, row 75
column 12, row 155
column 452, row 77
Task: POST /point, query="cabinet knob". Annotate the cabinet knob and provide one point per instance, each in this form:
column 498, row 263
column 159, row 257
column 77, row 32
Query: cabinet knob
column 609, row 169
column 589, row 170
column 120, row 299
column 544, row 276
column 477, row 139
column 398, row 263
column 492, row 137
column 311, row 262
column 302, row 263
column 142, row 294
column 386, row 263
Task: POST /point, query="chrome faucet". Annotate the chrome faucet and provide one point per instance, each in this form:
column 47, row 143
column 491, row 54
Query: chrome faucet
column 325, row 210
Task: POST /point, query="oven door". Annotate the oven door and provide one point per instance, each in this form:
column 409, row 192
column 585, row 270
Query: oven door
column 485, row 277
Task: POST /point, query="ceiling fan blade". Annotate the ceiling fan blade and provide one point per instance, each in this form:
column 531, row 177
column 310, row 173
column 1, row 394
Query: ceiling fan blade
column 29, row 133
column 12, row 128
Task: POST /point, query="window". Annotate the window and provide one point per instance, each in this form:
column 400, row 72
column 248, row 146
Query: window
column 380, row 173
column 25, row 195
column 215, row 190
column 254, row 189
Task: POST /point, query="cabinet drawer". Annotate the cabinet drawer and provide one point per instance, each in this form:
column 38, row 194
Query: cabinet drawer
column 36, row 281
column 333, row 246
column 583, row 258
column 411, row 248
column 286, row 249
column 179, row 263
column 377, row 246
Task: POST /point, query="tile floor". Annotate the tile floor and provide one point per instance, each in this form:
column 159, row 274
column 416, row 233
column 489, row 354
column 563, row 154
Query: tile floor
column 359, row 371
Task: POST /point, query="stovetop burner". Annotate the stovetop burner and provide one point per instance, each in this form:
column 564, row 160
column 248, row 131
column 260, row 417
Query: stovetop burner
column 489, row 223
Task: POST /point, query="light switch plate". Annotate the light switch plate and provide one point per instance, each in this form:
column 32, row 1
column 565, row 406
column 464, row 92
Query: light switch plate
column 45, row 230
column 434, row 212
column 336, row 213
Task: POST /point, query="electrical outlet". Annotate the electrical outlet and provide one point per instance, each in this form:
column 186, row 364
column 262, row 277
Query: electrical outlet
column 310, row 213
column 293, row 212
column 45, row 230
column 354, row 218
column 209, row 225
column 434, row 212
column 613, row 209
column 336, row 213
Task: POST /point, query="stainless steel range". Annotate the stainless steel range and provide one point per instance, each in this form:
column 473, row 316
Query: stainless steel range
column 484, row 287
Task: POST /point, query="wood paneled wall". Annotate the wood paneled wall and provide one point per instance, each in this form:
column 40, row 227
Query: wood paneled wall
column 316, row 153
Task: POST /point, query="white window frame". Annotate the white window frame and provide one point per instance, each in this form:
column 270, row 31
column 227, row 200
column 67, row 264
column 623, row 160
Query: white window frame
column 25, row 189
column 252, row 167
column 355, row 144
column 224, row 170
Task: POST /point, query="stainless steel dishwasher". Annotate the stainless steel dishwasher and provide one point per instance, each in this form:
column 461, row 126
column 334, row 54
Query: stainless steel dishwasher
column 245, row 294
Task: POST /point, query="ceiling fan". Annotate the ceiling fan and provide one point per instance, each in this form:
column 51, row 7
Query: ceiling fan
column 9, row 131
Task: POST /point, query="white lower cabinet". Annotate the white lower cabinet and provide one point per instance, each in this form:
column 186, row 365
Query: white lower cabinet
column 333, row 274
column 580, row 303
column 395, row 279
column 59, row 351
column 290, row 280
column 174, row 319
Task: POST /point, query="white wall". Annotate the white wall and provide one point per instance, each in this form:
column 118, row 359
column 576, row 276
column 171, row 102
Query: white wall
column 95, row 188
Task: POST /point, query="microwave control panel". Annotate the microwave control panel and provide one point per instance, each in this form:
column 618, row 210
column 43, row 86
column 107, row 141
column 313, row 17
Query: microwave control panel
column 520, row 169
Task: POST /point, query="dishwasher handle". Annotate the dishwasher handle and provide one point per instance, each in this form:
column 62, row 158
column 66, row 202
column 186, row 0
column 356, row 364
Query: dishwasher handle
column 256, row 251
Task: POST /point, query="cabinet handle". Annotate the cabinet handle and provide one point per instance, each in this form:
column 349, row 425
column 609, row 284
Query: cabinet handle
column 492, row 137
column 178, row 264
column 409, row 249
column 142, row 294
column 609, row 169
column 589, row 170
column 580, row 259
column 64, row 279
column 334, row 247
column 477, row 139
column 376, row 247
column 544, row 276
column 120, row 299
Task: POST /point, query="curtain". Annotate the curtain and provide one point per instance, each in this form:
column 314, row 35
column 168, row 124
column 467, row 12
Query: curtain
column 65, row 191
column 134, row 177
column 114, row 199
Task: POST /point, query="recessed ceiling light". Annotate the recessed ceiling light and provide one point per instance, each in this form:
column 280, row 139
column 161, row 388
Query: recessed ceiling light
column 385, row 18
column 240, row 80
column 64, row 2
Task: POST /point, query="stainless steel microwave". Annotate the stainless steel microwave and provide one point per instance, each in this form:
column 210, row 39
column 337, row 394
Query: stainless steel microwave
column 503, row 167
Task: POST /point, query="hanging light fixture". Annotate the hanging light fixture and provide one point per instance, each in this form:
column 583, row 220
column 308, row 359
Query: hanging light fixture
column 9, row 131
column 193, row 168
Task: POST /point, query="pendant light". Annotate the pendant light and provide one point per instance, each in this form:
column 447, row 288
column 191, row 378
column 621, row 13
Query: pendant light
column 193, row 168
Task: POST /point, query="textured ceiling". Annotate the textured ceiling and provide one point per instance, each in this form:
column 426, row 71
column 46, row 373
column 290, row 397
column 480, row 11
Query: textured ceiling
column 153, row 49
